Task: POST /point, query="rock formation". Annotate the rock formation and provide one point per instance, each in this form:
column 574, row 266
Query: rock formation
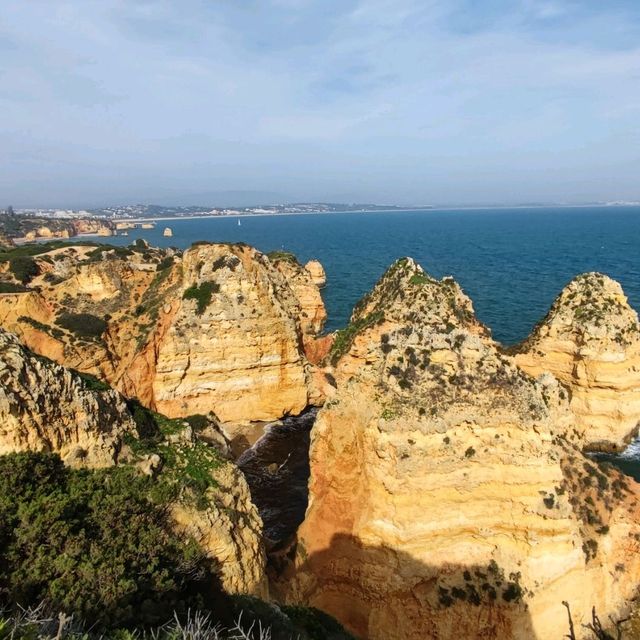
column 45, row 407
column 590, row 341
column 216, row 328
column 233, row 344
column 318, row 276
column 447, row 495
column 305, row 286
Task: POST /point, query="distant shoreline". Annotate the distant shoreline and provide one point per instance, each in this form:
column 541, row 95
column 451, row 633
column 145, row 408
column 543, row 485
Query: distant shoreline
column 409, row 210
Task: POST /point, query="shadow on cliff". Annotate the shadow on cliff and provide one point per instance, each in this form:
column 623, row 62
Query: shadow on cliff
column 380, row 593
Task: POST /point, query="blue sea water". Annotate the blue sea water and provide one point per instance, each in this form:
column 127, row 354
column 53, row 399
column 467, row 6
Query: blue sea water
column 511, row 262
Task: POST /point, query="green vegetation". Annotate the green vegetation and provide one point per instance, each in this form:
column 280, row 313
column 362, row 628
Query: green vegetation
column 12, row 287
column 165, row 263
column 418, row 279
column 187, row 466
column 282, row 256
column 83, row 325
column 92, row 544
column 42, row 247
column 91, row 382
column 201, row 294
column 345, row 337
column 40, row 326
column 23, row 268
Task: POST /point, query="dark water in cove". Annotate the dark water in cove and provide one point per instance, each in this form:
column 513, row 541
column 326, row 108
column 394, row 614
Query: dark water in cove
column 277, row 471
column 511, row 262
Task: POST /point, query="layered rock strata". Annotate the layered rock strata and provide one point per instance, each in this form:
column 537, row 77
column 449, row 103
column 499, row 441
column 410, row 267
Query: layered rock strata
column 590, row 341
column 218, row 328
column 447, row 495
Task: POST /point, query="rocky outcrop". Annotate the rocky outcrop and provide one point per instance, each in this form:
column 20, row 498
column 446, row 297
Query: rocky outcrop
column 28, row 228
column 233, row 343
column 218, row 328
column 305, row 287
column 590, row 341
column 45, row 407
column 318, row 275
column 447, row 495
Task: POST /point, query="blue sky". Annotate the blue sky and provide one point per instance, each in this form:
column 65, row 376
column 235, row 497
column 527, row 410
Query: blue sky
column 407, row 101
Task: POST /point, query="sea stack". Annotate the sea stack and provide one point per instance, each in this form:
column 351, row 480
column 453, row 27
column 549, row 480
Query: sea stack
column 448, row 497
column 590, row 341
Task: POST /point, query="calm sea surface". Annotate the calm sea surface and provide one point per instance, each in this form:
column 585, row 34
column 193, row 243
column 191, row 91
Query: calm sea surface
column 511, row 262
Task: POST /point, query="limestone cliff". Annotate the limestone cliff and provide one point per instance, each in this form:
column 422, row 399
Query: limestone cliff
column 45, row 407
column 305, row 284
column 218, row 328
column 447, row 496
column 318, row 275
column 590, row 341
column 234, row 343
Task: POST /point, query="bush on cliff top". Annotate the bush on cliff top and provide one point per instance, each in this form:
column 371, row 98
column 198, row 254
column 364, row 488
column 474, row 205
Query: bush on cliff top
column 23, row 268
column 201, row 294
column 91, row 544
column 83, row 325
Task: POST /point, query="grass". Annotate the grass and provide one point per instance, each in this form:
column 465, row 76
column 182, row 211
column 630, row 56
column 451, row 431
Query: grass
column 345, row 337
column 202, row 294
column 418, row 279
column 41, row 247
column 187, row 466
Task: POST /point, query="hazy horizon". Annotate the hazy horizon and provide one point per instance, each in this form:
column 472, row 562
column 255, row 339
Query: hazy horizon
column 380, row 101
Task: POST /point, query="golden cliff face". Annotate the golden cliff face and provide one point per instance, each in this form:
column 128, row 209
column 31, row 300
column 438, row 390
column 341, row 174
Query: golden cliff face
column 46, row 407
column 234, row 343
column 305, row 285
column 218, row 328
column 590, row 341
column 447, row 496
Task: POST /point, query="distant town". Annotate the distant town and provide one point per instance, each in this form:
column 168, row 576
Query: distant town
column 144, row 211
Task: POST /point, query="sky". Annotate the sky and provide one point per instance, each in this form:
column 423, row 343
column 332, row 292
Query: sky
column 386, row 101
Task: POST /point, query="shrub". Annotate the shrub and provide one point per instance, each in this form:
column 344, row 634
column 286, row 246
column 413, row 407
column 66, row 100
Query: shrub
column 84, row 325
column 23, row 268
column 201, row 294
column 91, row 544
column 282, row 256
column 12, row 287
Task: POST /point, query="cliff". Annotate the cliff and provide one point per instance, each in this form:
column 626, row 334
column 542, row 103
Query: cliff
column 218, row 328
column 32, row 228
column 447, row 495
column 590, row 341
column 45, row 407
column 305, row 286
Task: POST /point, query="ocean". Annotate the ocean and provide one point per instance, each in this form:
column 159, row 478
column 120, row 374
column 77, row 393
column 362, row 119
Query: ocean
column 511, row 262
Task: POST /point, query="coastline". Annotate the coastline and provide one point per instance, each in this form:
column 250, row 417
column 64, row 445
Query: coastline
column 408, row 210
